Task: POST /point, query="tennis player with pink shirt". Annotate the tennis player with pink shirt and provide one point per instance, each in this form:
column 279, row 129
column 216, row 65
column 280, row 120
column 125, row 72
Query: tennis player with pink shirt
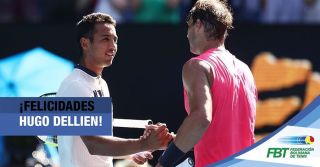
column 220, row 93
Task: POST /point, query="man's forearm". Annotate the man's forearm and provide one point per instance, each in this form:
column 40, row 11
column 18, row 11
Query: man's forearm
column 112, row 146
column 191, row 130
column 122, row 157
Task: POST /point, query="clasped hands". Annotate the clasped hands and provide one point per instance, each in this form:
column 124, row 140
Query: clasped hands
column 155, row 137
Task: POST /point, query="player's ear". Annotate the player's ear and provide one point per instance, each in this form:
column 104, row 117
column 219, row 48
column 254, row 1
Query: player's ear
column 198, row 23
column 84, row 42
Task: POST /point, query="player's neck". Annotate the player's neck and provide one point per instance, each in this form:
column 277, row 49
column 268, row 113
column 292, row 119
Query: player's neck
column 91, row 66
column 210, row 45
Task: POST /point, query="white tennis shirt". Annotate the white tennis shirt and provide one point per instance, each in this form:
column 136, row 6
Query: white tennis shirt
column 82, row 82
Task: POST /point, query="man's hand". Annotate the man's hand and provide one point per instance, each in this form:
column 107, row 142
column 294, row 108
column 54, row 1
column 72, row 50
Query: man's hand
column 156, row 137
column 149, row 128
column 141, row 157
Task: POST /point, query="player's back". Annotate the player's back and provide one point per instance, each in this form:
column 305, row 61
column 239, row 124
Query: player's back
column 234, row 106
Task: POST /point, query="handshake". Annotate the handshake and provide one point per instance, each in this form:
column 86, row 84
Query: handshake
column 155, row 137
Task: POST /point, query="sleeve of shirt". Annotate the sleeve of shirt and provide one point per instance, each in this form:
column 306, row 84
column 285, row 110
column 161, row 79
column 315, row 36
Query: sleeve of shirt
column 74, row 89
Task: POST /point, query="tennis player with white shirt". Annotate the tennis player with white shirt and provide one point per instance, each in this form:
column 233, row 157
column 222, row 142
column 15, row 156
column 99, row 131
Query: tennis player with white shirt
column 97, row 37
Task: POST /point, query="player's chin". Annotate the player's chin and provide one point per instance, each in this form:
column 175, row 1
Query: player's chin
column 108, row 62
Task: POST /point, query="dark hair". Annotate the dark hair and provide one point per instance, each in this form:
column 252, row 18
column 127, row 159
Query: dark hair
column 215, row 15
column 85, row 27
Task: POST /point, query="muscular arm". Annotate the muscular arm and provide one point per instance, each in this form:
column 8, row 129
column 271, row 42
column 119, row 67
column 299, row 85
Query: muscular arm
column 196, row 77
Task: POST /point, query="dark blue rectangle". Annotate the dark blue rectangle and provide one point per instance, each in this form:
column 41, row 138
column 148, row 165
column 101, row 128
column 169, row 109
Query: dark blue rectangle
column 60, row 104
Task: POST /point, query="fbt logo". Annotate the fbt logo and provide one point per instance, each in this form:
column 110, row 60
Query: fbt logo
column 277, row 152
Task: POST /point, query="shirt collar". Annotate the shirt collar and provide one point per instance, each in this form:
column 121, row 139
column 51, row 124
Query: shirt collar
column 86, row 70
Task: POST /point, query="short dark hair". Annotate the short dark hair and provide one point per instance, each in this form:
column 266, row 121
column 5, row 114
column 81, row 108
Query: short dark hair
column 215, row 15
column 85, row 27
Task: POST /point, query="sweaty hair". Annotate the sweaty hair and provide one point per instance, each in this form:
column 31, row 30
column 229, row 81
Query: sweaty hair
column 215, row 15
column 85, row 27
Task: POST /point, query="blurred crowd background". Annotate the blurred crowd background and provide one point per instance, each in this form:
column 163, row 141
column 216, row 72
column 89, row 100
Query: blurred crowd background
column 278, row 39
column 156, row 11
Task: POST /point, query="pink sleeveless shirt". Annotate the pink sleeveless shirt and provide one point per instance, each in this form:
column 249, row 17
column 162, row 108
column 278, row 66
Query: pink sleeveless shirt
column 234, row 99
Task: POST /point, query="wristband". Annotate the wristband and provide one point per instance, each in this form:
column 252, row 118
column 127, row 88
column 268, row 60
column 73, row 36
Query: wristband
column 171, row 155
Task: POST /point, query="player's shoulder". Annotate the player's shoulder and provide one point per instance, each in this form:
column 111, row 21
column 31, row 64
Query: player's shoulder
column 73, row 86
column 194, row 65
column 72, row 79
column 243, row 65
column 72, row 83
